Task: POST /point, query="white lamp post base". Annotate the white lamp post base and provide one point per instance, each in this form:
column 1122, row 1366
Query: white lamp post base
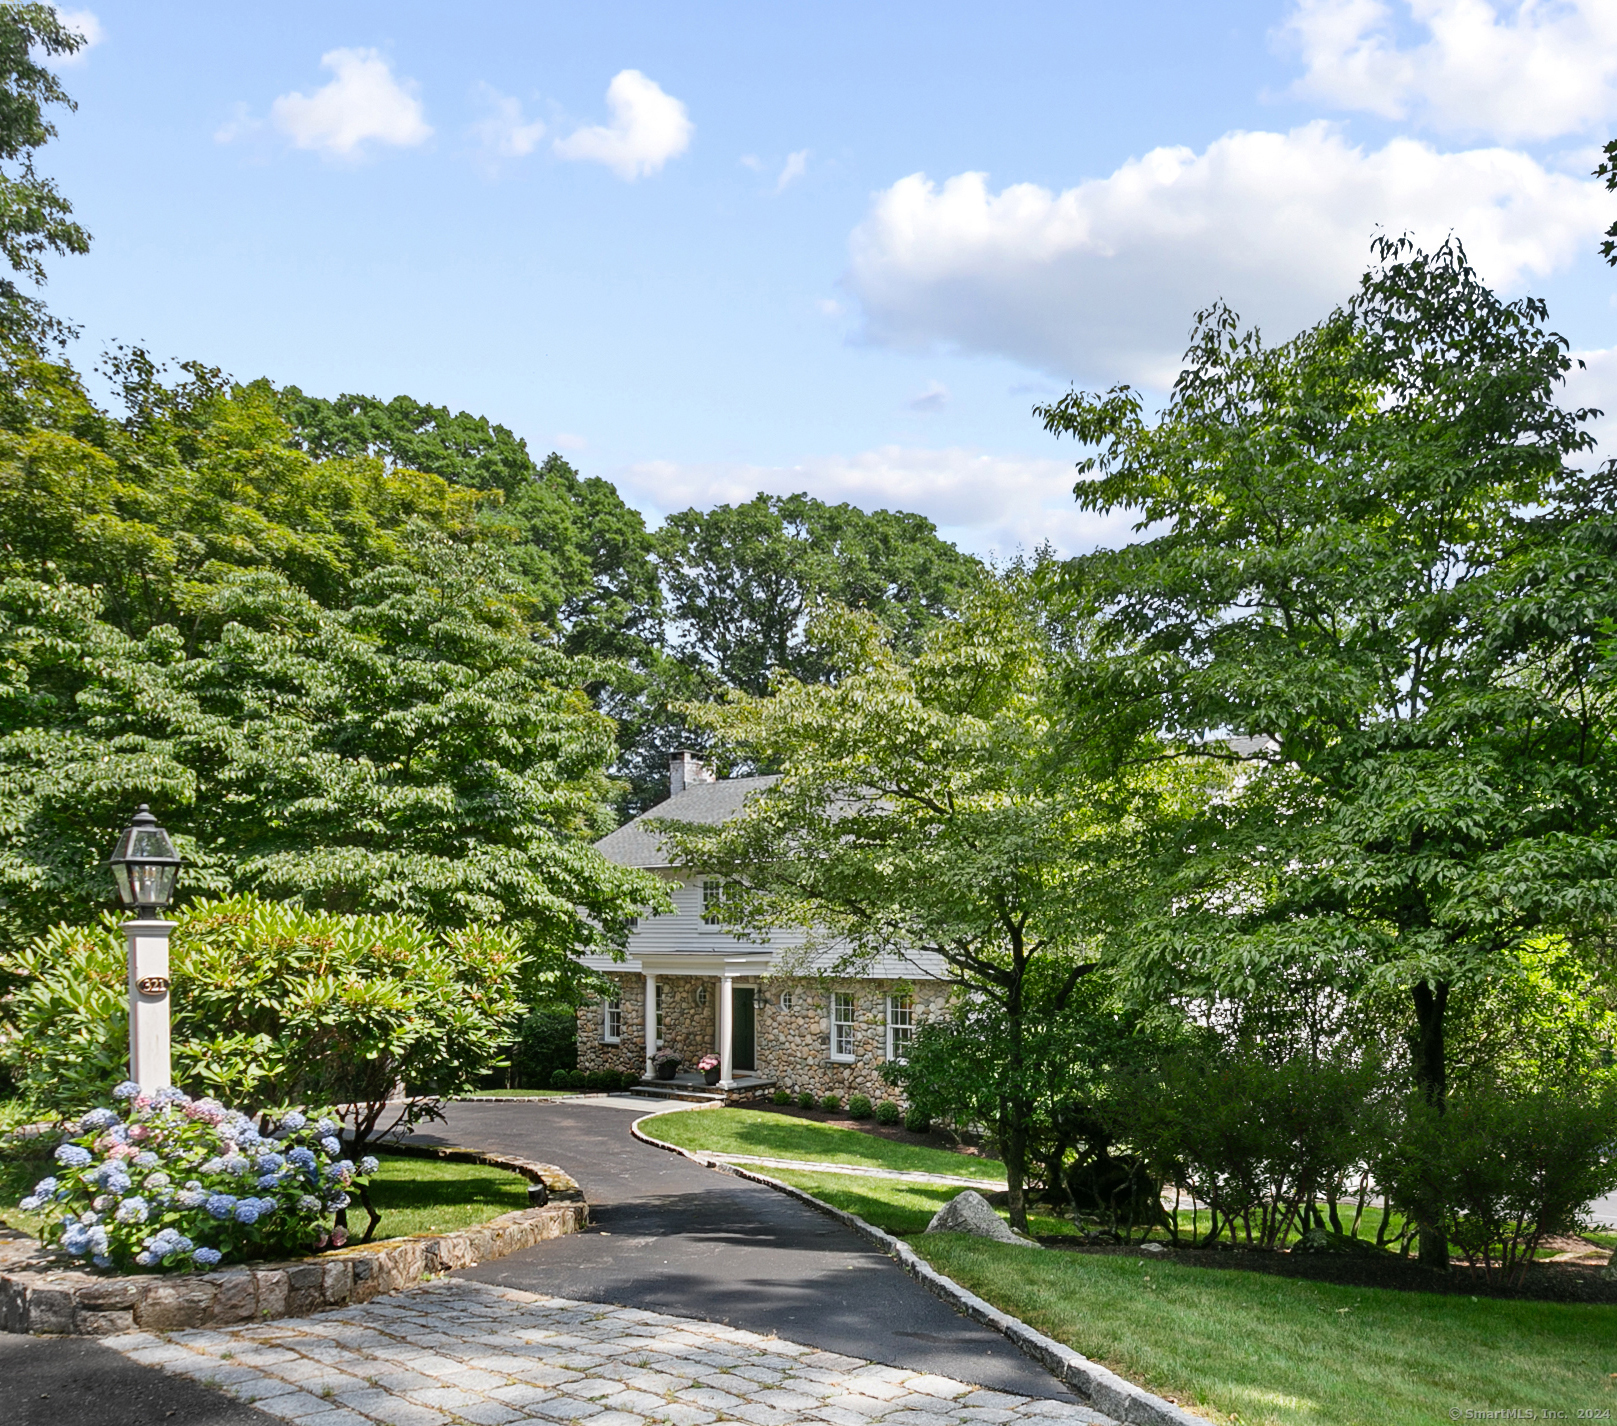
column 149, row 1060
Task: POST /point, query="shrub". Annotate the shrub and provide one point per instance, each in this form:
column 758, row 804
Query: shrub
column 547, row 1040
column 274, row 1005
column 781, row 1096
column 917, row 1122
column 159, row 1185
column 888, row 1113
column 830, row 1104
column 806, row 1100
column 561, row 1079
column 1497, row 1171
column 858, row 1106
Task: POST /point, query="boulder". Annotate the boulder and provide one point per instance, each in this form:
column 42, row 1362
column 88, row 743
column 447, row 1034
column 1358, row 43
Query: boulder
column 969, row 1213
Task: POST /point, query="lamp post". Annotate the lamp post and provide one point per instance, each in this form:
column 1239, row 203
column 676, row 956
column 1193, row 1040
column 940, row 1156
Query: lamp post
column 144, row 866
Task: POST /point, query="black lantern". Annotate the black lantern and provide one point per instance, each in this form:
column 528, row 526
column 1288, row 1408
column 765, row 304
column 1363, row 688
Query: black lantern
column 144, row 865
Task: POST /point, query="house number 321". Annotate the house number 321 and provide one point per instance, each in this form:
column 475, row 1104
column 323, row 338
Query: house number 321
column 152, row 985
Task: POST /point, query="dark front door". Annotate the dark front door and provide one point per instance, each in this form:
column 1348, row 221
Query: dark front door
column 744, row 1033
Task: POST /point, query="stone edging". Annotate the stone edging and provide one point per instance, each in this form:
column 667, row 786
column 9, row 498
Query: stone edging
column 37, row 1298
column 1102, row 1389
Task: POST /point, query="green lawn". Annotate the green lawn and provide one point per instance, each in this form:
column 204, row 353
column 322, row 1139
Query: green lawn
column 1259, row 1349
column 431, row 1196
column 779, row 1136
column 892, row 1205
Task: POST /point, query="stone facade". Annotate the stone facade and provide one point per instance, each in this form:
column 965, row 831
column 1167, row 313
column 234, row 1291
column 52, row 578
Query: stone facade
column 794, row 1044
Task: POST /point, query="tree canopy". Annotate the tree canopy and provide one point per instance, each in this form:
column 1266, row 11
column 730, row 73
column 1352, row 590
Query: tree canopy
column 1378, row 565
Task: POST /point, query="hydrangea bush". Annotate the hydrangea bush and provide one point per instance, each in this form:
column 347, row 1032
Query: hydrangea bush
column 166, row 1182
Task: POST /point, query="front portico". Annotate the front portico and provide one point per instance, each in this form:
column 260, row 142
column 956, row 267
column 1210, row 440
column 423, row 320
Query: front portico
column 734, row 977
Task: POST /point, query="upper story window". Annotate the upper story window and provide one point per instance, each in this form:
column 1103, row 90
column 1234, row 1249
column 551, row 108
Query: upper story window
column 900, row 1026
column 714, row 894
column 612, row 1019
column 841, row 1026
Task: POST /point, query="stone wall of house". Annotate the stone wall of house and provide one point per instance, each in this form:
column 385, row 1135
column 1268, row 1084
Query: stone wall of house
column 794, row 1045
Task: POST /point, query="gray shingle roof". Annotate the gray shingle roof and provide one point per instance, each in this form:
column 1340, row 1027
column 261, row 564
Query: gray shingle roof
column 635, row 844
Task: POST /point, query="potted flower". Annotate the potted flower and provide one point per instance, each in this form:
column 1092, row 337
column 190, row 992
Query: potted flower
column 665, row 1064
column 709, row 1065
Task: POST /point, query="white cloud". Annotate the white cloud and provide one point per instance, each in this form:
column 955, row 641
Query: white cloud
column 934, row 398
column 985, row 503
column 240, row 125
column 504, row 131
column 1595, row 385
column 86, row 23
column 1523, row 70
column 1101, row 280
column 570, row 441
column 796, row 166
column 364, row 103
column 648, row 128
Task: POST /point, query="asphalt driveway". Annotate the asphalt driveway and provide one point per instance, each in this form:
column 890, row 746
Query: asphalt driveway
column 673, row 1237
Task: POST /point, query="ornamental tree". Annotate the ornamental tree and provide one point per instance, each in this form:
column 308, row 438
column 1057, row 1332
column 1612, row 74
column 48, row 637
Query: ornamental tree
column 924, row 806
column 1370, row 557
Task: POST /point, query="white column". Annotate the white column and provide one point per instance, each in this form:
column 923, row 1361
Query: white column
column 726, row 1026
column 149, row 1063
column 651, row 1020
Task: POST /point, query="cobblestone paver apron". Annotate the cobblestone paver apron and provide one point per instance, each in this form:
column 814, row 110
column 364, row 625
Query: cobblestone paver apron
column 457, row 1351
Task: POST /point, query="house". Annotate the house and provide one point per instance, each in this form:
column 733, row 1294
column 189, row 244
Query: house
column 707, row 990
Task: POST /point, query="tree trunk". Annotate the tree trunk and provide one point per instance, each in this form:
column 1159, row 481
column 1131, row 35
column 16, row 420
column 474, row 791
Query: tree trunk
column 1016, row 1109
column 1431, row 1077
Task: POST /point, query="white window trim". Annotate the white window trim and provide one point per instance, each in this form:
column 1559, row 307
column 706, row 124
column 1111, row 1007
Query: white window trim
column 909, row 1024
column 612, row 1020
column 848, row 1056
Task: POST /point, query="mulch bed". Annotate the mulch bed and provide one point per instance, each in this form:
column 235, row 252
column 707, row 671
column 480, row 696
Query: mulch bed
column 1543, row 1282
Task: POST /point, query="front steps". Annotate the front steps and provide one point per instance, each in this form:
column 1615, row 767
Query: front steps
column 692, row 1089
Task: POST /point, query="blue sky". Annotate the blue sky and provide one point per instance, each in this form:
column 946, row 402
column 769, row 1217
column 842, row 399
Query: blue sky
column 710, row 249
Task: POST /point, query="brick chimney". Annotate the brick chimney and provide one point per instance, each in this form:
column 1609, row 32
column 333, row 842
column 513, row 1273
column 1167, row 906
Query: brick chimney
column 684, row 769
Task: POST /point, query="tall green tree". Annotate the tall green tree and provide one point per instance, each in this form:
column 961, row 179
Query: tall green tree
column 742, row 579
column 35, row 219
column 1378, row 563
column 924, row 807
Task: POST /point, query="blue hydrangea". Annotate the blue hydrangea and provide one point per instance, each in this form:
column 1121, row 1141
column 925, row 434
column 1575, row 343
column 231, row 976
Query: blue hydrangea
column 247, row 1211
column 191, row 1197
column 326, row 1126
column 368, row 1164
column 249, row 1137
column 213, row 1165
column 341, row 1169
column 72, row 1156
column 238, row 1164
column 303, row 1159
column 133, row 1209
column 46, row 1187
column 221, row 1205
column 158, row 1180
column 127, row 1090
column 331, row 1145
column 308, row 1203
column 169, row 1240
column 205, row 1257
column 268, row 1163
column 114, row 1179
column 293, row 1122
column 97, row 1119
column 337, row 1200
column 169, row 1095
column 32, row 1204
column 269, row 1180
column 147, row 1160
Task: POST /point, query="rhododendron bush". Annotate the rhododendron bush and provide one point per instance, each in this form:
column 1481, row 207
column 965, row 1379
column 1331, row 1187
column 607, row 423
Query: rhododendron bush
column 272, row 1004
column 167, row 1182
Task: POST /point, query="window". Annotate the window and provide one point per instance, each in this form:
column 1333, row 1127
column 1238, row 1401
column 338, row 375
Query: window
column 900, row 1026
column 713, row 894
column 659, row 1014
column 786, row 1000
column 612, row 1019
column 841, row 1026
